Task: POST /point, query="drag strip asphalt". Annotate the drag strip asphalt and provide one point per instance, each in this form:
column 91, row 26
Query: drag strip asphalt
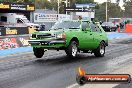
column 56, row 70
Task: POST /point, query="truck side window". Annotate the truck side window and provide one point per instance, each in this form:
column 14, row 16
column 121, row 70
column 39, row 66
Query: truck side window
column 94, row 28
column 3, row 19
column 85, row 25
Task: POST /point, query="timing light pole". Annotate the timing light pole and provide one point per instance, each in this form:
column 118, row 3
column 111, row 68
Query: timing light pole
column 66, row 2
column 58, row 6
column 66, row 5
column 106, row 10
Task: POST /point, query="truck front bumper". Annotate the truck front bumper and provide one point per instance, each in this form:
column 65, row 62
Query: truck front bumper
column 46, row 43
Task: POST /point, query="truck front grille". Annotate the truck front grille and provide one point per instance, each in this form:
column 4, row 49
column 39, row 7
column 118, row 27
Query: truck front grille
column 44, row 36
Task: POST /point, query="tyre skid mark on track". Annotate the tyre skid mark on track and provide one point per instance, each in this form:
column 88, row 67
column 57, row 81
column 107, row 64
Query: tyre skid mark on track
column 64, row 54
column 118, row 48
column 8, row 62
column 11, row 59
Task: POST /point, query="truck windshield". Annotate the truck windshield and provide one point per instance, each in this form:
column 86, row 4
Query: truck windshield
column 66, row 25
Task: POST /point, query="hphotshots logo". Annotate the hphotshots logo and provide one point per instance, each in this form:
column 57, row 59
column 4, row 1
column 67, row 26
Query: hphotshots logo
column 83, row 78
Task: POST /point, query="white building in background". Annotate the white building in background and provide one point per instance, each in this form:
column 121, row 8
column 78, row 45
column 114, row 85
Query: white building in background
column 86, row 15
column 44, row 17
column 47, row 16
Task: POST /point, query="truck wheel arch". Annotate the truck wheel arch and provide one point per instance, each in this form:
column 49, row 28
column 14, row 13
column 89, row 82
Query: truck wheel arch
column 106, row 43
column 75, row 39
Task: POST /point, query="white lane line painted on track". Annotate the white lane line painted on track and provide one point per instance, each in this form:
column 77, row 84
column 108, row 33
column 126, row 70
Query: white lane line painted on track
column 73, row 85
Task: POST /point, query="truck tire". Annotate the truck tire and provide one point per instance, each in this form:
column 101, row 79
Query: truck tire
column 72, row 49
column 38, row 52
column 100, row 51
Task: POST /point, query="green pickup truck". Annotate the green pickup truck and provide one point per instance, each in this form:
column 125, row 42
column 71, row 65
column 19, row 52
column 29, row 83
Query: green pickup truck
column 71, row 36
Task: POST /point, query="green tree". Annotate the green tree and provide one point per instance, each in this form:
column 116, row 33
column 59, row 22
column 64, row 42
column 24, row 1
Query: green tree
column 72, row 2
column 84, row 1
column 27, row 1
column 128, row 9
column 114, row 11
column 43, row 4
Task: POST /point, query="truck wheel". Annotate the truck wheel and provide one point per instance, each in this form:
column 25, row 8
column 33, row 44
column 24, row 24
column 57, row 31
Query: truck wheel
column 72, row 49
column 100, row 51
column 38, row 52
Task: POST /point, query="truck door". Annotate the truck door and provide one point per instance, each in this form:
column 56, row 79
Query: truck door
column 86, row 36
column 97, row 34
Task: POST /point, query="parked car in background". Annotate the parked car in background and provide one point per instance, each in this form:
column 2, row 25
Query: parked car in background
column 109, row 26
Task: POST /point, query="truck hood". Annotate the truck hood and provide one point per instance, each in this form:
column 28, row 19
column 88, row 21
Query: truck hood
column 51, row 32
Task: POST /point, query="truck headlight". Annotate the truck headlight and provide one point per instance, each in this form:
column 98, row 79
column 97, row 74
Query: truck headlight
column 63, row 36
